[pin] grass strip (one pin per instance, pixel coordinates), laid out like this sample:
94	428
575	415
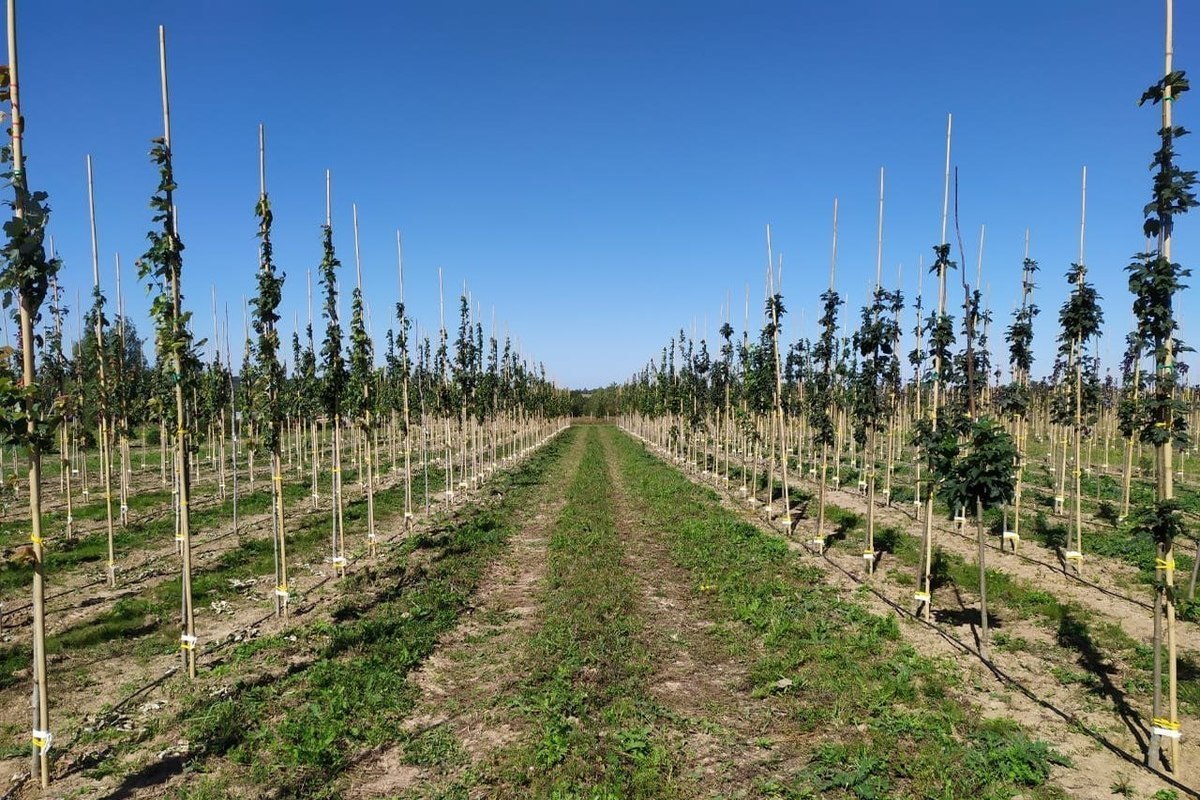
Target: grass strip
596	727
881	720
346	688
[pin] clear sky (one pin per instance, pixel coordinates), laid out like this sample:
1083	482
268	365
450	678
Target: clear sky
601	172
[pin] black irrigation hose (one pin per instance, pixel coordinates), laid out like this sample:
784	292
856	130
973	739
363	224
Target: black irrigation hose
1058	568
1029	559
1014	683
214	649
999	674
249	523
203	505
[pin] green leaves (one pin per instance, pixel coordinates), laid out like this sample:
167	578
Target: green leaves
1176	81
266	408
1013	400
876	341
987	473
1080	317
1162	521
361	359
25	273
161	267
1154	281
333	378
1173	187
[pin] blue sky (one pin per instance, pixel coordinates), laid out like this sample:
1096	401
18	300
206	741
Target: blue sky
600	173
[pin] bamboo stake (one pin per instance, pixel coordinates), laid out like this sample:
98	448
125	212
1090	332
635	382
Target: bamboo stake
366	421
182	462
869	466
408	506
925	592
123	440
819	541
1164	604
105	452
282	590
1076	556
41	736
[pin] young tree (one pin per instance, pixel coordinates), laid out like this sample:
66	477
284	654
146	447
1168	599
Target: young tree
268	407
1014	400
983	476
26	419
161	267
1079	320
821	399
874	393
333	377
53	378
97	321
362	380
1154	280
403	367
935	446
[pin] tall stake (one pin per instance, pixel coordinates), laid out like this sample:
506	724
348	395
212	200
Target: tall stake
28	306
828	347
182	460
1155	279
1075	554
102	394
266	320
360	361
869	465
925	588
403	324
123	425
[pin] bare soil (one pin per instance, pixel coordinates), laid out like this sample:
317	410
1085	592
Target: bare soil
467	685
1020	684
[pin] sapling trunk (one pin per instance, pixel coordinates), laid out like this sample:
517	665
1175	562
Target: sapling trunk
266	319
1078	431
404	366
924	594
123	439
1155	280
1127	467
102	392
360	360
828	346
28	306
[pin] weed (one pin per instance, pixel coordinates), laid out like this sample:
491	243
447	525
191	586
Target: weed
886	720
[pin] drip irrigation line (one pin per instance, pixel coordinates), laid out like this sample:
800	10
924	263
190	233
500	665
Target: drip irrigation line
1012	682
214	649
956	642
1028	559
